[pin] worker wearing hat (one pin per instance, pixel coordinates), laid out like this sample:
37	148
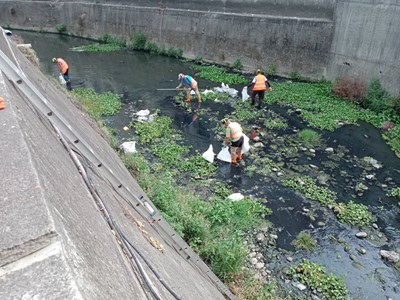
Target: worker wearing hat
259	84
63	66
234	134
188	84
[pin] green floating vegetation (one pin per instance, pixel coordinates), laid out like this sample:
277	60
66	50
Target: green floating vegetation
99	48
219	74
98	104
354	214
315	276
311	190
149	132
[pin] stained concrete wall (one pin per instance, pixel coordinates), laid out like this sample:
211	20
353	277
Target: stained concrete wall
318	38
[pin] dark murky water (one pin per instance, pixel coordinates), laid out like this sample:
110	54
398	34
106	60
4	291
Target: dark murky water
137	76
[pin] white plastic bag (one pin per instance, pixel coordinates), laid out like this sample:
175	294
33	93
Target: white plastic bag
224	154
236	197
209	154
143	113
62	80
128	147
245	95
246	144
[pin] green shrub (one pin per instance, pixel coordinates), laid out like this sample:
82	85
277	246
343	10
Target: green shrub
237	64
138	41
174	52
271	70
295	75
309	137
226	256
61	27
395	192
376	99
136	164
152	48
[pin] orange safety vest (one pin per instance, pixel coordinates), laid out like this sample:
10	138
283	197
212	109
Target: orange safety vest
260	83
236	130
62	65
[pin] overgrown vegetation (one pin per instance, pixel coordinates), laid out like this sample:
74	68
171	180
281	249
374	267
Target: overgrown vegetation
316	277
309	138
98	104
271	70
354	214
61	28
237	64
350	88
305	241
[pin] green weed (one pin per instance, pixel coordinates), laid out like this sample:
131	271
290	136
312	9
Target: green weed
309	138
237	64
219	74
354	214
149	132
61	28
98	104
138	41
316	277
305	241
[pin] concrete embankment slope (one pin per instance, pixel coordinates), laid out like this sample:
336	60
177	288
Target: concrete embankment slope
55	242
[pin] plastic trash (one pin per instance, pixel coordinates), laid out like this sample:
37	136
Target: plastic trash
62	80
245	95
128	147
143	113
246	144
209	154
236	197
224	155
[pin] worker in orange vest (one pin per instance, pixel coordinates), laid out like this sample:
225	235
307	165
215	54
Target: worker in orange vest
259	84
234	134
63	66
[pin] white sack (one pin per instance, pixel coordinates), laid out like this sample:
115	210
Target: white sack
143	113
128	147
209	154
245	95
236	197
224	154
62	80
246	144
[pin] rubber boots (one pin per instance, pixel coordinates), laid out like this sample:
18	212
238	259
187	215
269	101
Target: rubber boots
239	156
233	155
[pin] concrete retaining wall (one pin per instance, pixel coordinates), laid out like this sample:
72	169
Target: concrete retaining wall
318	38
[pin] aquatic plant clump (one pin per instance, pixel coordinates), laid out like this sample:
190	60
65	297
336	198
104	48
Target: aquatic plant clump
219	74
149	132
98	104
310	189
305	241
354	214
316	277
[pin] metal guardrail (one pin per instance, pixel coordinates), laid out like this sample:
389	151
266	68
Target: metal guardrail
141	204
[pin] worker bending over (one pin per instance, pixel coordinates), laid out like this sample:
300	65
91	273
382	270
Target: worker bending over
188	84
64	68
234	134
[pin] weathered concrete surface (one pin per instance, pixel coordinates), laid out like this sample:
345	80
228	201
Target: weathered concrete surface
317	38
54	241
